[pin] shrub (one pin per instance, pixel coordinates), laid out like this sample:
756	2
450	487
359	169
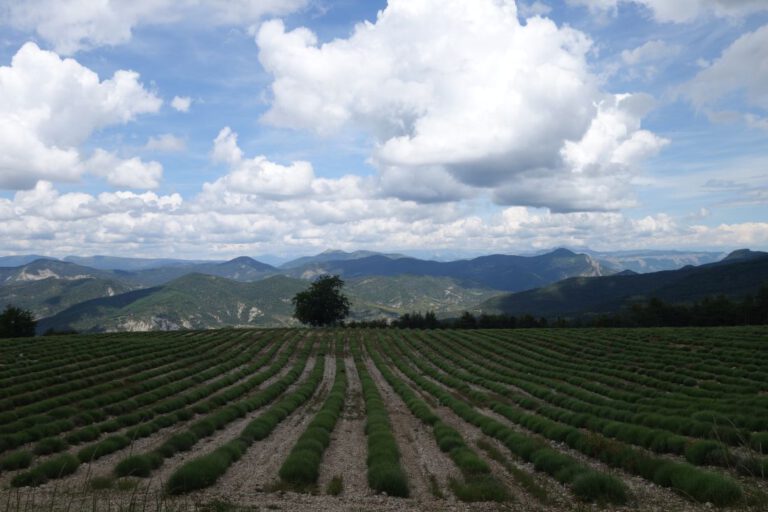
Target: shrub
199	473
388	477
83	435
759	442
593	486
105	447
100	483
706	452
486	488
301	467
335	486
56	467
16	460
468	462
50	445
135	465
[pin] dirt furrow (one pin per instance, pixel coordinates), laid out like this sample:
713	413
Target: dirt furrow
231	431
103	466
257	469
427	467
345	456
646	495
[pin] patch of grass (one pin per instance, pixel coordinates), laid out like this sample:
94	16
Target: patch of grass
126	484
100	483
434	487
335	486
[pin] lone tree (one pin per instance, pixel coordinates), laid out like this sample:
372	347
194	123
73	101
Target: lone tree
323	303
17	323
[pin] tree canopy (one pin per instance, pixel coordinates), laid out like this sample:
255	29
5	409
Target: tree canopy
17	323
323	303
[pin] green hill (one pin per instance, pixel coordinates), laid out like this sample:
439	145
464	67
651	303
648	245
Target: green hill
45	297
195	301
734	277
377	296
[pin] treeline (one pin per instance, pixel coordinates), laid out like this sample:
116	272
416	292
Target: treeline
467	320
711	311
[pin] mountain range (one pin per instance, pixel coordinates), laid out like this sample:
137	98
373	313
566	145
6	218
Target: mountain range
741	273
112	293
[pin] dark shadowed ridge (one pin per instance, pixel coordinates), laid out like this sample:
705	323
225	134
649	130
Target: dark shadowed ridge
733	277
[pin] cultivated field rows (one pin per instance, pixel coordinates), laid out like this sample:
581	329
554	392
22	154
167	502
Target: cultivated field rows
544	419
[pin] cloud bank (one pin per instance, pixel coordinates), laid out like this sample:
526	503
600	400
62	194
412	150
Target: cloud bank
466	95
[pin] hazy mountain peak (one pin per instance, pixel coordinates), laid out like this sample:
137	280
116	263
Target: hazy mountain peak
561	252
241	260
744	254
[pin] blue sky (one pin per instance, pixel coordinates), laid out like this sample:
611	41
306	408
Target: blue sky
206	129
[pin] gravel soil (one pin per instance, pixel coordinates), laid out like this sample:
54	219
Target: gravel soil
420	455
104	465
345	456
645	495
257	469
222	436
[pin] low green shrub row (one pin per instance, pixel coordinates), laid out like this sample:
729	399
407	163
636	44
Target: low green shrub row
115	443
583	396
56	467
19	459
110	400
50	445
302	466
699	485
479	484
564	468
204	471
385	472
141	465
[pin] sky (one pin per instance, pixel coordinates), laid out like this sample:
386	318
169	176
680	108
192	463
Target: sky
220	128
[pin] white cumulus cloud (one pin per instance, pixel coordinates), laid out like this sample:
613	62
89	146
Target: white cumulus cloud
166	142
125	173
181	103
455	89
49	106
258	175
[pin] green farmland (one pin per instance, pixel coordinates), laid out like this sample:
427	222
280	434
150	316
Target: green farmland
386	419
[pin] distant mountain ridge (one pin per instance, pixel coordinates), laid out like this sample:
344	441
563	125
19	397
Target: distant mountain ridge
739	274
500	272
334	255
130	264
646	261
40	269
379	285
